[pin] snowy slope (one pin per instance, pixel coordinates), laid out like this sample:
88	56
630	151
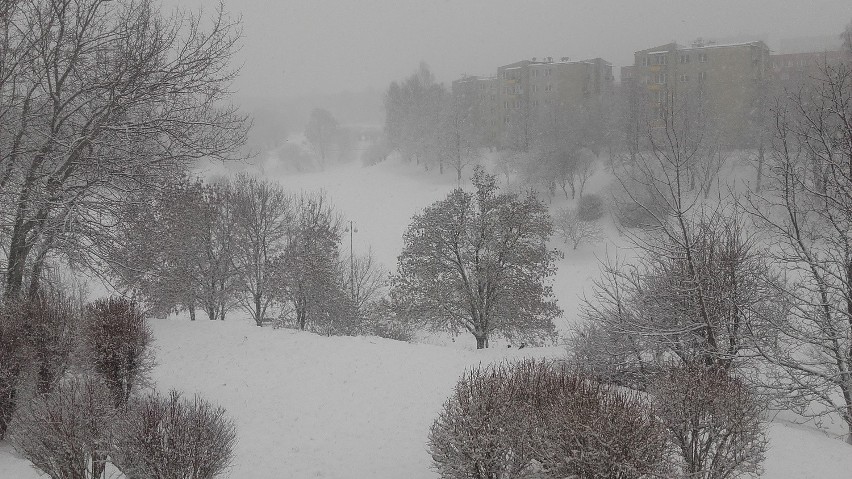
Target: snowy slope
310	406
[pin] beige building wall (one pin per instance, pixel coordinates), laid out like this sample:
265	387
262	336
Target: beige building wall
724	83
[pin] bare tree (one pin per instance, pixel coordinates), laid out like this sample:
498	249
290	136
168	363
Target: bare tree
699	290
322	130
478	262
366	279
264	217
574	230
99	100
309	266
806	211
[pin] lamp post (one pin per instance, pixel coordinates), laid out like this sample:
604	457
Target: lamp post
351	230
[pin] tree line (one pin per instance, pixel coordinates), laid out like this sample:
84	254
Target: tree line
243	243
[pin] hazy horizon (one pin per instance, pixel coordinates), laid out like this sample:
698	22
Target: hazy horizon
296	48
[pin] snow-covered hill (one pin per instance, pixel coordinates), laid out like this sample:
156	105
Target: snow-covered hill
308	406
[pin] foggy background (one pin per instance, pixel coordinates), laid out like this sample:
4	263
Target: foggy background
341	55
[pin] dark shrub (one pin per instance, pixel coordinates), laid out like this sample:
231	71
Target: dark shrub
532	417
171	438
713	422
52	323
116	341
67	434
11	360
590	207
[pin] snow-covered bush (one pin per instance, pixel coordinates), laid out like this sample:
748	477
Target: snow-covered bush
116	343
713	422
590	207
172	437
67	434
573	230
52	322
536	419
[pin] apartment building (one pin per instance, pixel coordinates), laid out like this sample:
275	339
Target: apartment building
476	97
723	83
529	91
790	70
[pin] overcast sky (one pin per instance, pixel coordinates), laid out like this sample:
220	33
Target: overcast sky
302	47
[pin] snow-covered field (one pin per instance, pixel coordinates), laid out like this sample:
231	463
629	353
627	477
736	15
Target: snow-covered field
308	406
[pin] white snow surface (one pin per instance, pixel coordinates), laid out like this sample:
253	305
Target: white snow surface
308	406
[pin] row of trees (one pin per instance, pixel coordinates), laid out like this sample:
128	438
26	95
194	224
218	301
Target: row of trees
242	243
427	124
758	286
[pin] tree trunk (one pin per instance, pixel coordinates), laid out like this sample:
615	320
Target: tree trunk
191	309
8	396
16	262
481	341
258	314
760	160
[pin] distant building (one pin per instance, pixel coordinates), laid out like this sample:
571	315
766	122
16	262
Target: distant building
477	97
790	70
724	83
528	90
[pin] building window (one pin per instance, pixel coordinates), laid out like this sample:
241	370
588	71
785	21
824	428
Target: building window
535	88
506	104
684	58
684	77
645	61
661	78
549	87
661	59
548	72
702	57
661	97
702	76
505	120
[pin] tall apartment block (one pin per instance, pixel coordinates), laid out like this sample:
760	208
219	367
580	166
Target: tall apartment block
725	83
477	98
509	106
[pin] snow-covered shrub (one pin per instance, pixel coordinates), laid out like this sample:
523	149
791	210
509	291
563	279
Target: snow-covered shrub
52	322
637	204
116	343
67	434
713	422
172	437
573	230
590	207
536	419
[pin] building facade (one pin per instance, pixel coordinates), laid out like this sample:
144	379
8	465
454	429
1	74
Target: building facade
721	84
